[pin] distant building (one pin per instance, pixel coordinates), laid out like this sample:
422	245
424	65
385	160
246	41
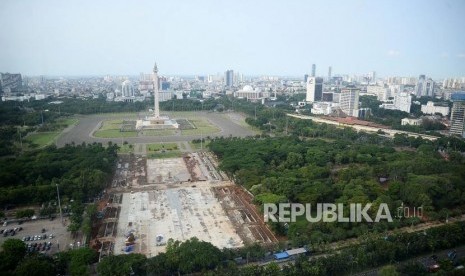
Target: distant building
314	89
313	70
424	87
457	117
165	95
146	82
165	85
322	108
419	86
381	92
247	92
305	78
10	82
372	77
127	90
229	78
327	96
431	108
329	74
349	101
410	121
403	102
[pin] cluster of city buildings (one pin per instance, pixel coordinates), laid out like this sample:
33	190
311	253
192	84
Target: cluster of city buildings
335	95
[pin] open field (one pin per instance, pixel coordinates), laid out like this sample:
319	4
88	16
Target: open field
164	155
158	132
198	146
125	148
177	214
88	125
114	133
42	139
160	146
111	129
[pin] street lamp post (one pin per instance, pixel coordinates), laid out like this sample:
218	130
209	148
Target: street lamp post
59	204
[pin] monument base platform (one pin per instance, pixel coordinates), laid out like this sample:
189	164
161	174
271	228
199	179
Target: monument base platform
160	122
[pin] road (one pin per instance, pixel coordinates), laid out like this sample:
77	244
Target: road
425	260
82	132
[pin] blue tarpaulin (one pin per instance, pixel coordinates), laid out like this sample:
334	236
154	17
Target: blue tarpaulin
280	256
129	248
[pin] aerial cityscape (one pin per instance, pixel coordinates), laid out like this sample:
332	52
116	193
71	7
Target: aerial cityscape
240	138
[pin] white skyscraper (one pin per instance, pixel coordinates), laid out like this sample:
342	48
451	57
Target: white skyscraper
314	89
127	90
403	101
348	101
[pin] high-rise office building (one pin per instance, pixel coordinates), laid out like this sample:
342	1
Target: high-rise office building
403	101
457	117
305	78
348	101
372	77
313	70
329	74
314	89
229	78
429	88
127	90
424	87
419	86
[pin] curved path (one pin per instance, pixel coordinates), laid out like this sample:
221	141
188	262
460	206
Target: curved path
82	132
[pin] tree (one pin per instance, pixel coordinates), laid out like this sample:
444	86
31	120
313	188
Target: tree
122	265
81	259
35	266
13	252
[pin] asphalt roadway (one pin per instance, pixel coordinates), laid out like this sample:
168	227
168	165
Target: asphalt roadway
82	132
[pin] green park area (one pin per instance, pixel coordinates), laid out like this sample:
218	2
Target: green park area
43	138
163	150
126	148
111	129
196	145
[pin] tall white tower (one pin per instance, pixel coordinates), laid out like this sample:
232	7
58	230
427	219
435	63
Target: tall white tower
156	111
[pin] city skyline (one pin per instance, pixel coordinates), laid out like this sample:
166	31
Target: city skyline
393	38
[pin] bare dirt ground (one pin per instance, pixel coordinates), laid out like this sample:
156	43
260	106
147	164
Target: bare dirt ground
154	200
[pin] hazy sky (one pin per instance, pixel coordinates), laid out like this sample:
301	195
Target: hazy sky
391	37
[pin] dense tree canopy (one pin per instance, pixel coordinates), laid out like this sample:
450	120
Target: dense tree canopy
343	166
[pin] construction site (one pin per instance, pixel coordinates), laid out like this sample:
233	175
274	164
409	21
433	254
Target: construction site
154	200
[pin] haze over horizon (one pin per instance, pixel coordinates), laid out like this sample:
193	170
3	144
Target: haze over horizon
393	38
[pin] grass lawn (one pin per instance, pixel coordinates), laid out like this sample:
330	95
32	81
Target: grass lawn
166	154
68	121
125	148
158	132
196	146
42	139
111	129
159	146
114	133
163	150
